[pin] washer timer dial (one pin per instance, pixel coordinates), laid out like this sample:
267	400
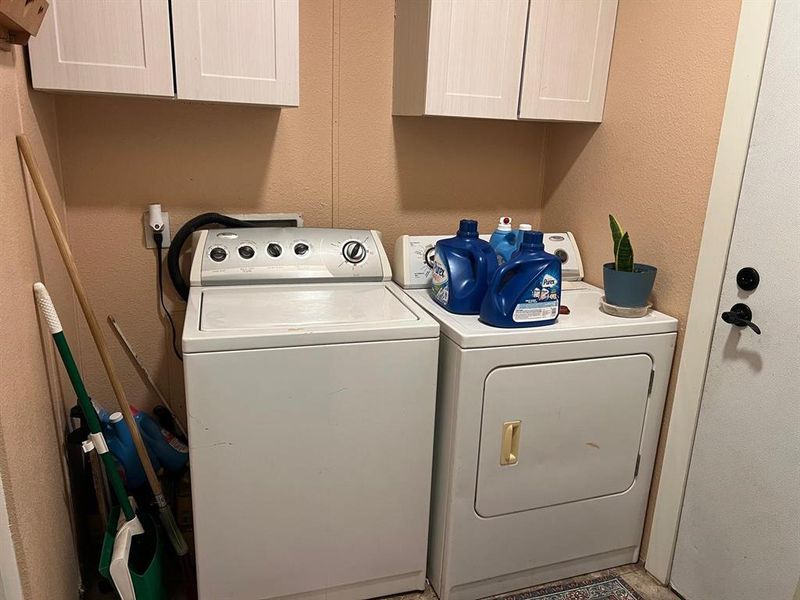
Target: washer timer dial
354	252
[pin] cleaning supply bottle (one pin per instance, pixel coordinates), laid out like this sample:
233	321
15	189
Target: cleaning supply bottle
120	443
526	291
523	227
504	240
171	452
462	268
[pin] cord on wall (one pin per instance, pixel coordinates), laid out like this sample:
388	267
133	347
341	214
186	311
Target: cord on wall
157	225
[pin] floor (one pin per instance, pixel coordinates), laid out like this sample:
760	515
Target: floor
634	575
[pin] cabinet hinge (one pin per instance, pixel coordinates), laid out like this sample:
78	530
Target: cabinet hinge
650	385
638	460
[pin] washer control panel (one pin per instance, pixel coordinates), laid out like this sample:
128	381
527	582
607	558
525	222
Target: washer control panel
413	257
288	254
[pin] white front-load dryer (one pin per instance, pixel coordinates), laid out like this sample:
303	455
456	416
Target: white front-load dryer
545	437
310	388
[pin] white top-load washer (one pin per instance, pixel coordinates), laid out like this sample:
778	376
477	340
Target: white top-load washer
545	437
310	393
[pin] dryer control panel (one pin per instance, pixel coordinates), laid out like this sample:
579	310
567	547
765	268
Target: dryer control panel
255	255
413	257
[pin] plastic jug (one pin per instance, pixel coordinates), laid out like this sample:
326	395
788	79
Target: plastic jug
171	452
504	240
120	443
526	291
523	227
462	268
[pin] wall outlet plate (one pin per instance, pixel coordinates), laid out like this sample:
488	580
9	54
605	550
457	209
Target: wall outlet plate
149	242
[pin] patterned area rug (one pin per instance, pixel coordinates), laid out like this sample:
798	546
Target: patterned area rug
605	588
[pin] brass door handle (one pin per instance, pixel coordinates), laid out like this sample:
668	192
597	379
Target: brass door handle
509	446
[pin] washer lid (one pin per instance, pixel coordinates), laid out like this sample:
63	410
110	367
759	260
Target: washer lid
268	316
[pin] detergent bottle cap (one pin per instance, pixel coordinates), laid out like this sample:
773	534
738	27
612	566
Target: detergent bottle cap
115	417
532	241
504	224
525	227
468	228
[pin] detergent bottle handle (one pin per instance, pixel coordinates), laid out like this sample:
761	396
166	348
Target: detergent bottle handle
499	276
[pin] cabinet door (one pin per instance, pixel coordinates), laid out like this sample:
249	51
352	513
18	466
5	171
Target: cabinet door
566	59
120	47
237	50
475	57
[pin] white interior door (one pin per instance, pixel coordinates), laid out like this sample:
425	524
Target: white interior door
739	535
120	47
475	58
237	51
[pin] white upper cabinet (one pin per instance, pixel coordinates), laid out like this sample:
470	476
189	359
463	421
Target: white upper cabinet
473	60
237	51
503	59
243	51
566	59
100	46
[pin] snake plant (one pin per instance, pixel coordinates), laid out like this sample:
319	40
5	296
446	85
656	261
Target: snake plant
623	251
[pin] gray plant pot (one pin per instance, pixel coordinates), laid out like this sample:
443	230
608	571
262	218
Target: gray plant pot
629	289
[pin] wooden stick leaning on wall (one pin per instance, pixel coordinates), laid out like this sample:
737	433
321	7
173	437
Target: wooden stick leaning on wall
165	514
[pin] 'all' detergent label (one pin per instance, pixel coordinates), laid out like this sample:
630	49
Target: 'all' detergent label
541	301
440	281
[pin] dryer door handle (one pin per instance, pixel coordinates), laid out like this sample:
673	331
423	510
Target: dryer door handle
509	447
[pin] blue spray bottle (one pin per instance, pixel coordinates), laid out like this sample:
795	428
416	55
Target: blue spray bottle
504	240
526	291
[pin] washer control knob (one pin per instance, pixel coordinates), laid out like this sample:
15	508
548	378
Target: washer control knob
562	255
301	249
218	254
247	252
354	252
274	250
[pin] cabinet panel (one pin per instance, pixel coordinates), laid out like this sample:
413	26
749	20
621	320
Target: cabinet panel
567	56
99	46
475	57
237	50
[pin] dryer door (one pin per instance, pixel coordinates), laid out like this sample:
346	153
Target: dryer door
560	432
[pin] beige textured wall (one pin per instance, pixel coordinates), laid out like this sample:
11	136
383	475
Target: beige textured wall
650	162
30	399
340	159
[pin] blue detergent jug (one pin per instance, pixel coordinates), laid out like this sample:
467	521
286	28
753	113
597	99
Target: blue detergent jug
504	240
120	443
462	268
171	452
526	291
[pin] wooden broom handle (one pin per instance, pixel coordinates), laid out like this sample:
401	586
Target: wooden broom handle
72	268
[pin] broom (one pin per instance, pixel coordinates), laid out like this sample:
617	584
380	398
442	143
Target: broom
133	526
164	511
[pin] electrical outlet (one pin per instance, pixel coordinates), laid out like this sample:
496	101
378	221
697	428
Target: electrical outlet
149	242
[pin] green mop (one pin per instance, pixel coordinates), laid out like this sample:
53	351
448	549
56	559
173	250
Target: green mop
141	581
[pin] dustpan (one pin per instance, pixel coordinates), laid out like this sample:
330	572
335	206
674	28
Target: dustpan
132	558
